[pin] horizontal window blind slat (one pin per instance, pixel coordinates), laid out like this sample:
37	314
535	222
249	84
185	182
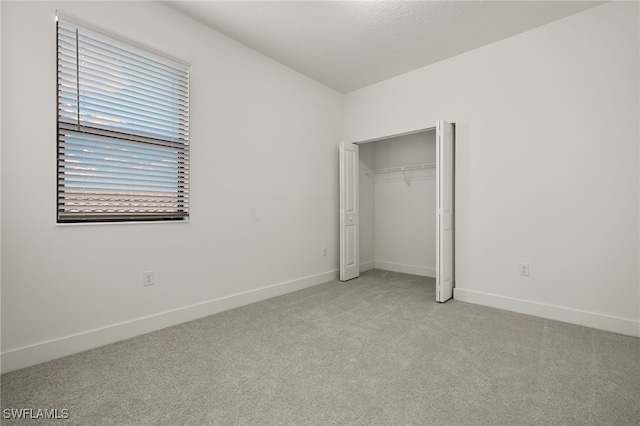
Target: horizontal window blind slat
118	160
67	62
108	186
99	89
67	43
179	118
125	119
124	207
124	204
119	195
79	206
94	87
89	84
83	170
116	196
90	117
98	61
68	84
67	54
110	103
81	131
121	158
101	59
122	163
120	217
82	212
149	61
118	166
84	181
121	80
136	62
181	115
80	170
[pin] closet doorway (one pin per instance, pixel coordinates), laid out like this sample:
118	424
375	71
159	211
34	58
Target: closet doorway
407	180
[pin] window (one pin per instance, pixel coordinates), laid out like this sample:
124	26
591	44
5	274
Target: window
123	131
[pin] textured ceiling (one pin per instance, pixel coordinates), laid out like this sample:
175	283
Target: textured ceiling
348	45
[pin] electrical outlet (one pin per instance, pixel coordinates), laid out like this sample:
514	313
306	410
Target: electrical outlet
148	278
524	269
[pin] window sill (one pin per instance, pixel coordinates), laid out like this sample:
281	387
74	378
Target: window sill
141	222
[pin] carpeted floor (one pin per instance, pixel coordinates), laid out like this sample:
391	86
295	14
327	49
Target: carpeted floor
375	350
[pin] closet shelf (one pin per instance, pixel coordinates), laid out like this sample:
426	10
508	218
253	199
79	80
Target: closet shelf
405	181
401	169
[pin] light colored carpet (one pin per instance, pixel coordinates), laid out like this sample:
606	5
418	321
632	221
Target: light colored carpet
375	350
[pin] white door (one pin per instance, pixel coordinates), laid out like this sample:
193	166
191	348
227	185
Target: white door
444	206
349	212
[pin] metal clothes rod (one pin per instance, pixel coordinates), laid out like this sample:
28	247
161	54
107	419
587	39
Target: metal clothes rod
402	180
401	169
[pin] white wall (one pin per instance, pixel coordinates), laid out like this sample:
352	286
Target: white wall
264	190
547	142
405	239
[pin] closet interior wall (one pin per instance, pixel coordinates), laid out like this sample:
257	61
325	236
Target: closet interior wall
398	209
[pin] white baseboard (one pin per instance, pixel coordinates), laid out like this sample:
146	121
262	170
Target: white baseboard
57	348
367	266
559	313
406	269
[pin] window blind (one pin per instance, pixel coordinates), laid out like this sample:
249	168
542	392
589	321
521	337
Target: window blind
123	130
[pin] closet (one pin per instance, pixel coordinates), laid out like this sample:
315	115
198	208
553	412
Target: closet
396	206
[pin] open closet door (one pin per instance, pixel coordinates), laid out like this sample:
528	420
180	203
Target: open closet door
444	207
349	212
